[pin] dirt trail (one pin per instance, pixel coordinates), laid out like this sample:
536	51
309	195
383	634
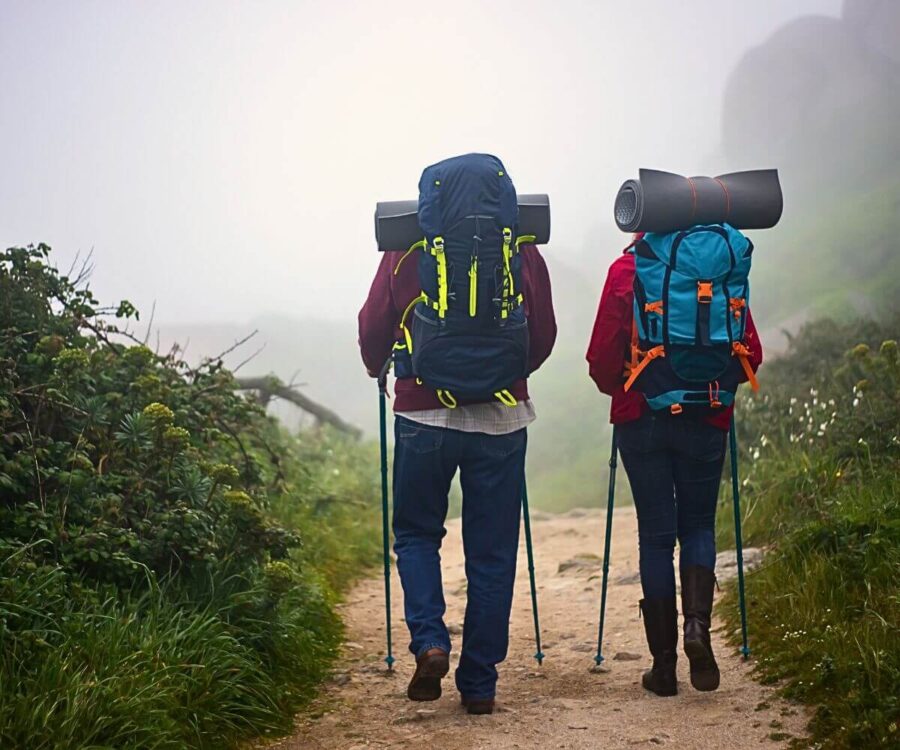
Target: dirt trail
562	704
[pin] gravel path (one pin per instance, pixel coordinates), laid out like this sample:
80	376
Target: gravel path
562	704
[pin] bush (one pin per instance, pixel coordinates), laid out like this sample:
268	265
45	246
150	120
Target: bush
165	577
822	451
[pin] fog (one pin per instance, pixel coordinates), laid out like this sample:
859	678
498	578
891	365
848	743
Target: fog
222	159
221	162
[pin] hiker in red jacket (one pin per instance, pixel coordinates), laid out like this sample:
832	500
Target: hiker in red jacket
434	436
674	465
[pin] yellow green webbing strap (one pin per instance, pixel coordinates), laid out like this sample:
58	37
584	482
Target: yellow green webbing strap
437	250
446	398
506	398
473	288
508	286
414	246
525	238
406	334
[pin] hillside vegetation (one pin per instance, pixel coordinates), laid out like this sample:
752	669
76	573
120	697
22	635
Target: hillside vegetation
820	460
169	557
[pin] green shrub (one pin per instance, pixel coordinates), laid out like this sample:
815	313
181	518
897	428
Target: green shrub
821	456
169	556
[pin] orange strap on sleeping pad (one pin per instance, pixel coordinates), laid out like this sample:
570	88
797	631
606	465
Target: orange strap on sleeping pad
649	356
742	352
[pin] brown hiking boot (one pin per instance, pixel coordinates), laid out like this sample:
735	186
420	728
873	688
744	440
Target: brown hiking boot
431	667
478	706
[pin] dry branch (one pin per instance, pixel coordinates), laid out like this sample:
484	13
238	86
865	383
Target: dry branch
269	387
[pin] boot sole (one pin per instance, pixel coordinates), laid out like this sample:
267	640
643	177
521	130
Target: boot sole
666	691
704	670
478	707
426	683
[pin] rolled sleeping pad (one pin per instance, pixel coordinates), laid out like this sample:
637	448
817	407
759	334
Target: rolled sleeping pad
665	202
397	223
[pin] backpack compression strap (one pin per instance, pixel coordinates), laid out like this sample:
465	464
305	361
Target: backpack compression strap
511	299
649	356
742	352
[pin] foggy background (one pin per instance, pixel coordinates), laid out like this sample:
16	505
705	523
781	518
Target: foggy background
222	159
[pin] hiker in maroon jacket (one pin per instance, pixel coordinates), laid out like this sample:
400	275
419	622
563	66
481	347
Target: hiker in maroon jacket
486	442
674	465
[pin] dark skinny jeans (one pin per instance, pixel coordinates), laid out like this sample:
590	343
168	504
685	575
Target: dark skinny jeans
674	465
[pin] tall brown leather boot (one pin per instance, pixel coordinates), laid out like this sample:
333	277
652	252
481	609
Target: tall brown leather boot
697	585
661	627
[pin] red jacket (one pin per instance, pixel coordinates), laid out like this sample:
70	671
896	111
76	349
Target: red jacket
379	322
611	343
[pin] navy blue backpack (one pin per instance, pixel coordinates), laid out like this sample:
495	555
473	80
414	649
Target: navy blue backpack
691	297
466	335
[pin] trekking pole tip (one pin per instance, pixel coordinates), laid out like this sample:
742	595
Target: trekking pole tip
599	659
745	650
389	660
540	658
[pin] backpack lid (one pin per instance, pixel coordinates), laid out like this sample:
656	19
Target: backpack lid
694	245
468	185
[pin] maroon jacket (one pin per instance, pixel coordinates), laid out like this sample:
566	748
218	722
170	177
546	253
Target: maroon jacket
611	342
379	322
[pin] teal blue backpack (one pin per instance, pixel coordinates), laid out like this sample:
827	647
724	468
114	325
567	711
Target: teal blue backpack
691	297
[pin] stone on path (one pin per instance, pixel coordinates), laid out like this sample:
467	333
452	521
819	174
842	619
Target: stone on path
726	562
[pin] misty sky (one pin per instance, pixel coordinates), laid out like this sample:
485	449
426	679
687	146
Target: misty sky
224	158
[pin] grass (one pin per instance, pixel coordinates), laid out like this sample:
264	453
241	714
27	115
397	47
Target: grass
200	664
821	457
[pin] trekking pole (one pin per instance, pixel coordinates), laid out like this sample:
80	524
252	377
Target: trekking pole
534	604
385	528
609	514
739	545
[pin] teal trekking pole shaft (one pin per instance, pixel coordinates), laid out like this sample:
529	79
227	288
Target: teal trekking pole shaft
385	526
739	545
609	515
539	655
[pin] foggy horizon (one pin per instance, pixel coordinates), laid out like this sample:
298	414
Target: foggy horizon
224	160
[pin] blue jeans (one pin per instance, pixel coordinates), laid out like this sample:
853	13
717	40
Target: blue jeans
492	468
674	465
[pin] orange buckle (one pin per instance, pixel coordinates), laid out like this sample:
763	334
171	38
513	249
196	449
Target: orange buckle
704	292
654	307
676	409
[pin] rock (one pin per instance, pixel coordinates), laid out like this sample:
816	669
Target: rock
341	678
454	628
580	563
726	562
628	579
584	648
627	656
577	726
601	669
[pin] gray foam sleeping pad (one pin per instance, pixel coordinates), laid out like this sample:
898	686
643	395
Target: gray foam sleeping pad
665	202
397	225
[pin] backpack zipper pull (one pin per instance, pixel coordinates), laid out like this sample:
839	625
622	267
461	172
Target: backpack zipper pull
473	286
